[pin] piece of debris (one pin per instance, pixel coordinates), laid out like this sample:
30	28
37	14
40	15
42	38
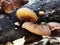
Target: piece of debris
17	24
15	28
19	41
8	43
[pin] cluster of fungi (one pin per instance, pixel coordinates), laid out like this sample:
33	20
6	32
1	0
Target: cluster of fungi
30	18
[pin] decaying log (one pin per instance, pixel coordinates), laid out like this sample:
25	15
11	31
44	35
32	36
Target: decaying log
51	9
11	32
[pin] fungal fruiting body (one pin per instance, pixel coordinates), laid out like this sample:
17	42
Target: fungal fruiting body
54	26
7	8
37	29
10	5
41	13
26	14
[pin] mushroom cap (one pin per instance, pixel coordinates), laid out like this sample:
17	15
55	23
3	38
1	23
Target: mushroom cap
26	14
54	25
37	29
